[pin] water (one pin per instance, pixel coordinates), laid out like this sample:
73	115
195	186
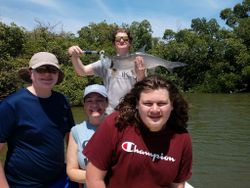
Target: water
78	113
219	126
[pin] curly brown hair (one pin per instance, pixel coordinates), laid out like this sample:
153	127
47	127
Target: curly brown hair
128	113
122	30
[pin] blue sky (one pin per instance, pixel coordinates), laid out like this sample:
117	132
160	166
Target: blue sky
71	15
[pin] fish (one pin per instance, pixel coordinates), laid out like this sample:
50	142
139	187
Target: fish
150	61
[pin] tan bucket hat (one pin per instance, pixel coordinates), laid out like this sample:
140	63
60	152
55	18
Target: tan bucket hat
37	60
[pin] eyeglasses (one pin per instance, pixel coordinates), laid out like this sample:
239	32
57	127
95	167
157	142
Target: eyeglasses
118	38
47	69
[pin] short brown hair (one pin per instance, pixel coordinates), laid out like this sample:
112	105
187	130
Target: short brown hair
122	30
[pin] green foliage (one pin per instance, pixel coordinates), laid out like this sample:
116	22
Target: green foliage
246	78
12	40
9	81
238	18
142	35
205	28
223	83
72	86
243	31
168	35
218	59
97	37
235	14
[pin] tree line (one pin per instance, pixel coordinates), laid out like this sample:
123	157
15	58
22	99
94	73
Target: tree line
217	58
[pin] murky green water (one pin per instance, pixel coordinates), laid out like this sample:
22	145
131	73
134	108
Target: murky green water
220	129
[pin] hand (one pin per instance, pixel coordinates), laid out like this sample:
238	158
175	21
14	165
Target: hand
75	51
139	68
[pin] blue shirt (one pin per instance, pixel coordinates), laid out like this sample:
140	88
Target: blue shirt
34	129
82	133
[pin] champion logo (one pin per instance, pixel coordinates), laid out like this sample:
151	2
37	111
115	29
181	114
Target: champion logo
132	148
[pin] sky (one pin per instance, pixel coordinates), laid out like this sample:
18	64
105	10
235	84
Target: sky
72	15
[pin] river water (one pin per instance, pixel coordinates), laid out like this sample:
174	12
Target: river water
220	129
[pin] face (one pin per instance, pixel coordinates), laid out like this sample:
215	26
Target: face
122	43
95	106
45	76
154	108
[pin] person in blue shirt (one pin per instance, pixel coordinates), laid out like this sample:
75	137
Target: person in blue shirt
95	102
34	123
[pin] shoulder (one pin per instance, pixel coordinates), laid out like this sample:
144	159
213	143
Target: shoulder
111	118
58	94
96	64
59	97
113	115
100	68
80	130
79	126
107	126
20	96
17	94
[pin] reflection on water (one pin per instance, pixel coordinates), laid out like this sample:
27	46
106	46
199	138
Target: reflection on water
219	126
220	129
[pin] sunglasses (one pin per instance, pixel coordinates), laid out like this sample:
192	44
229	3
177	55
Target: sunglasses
47	69
118	38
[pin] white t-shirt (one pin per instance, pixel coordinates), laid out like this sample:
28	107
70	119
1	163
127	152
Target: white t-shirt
117	83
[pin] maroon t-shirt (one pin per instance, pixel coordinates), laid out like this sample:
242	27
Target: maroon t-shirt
134	157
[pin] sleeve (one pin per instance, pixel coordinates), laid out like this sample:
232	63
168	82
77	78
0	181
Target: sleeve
101	146
99	68
185	170
7	121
